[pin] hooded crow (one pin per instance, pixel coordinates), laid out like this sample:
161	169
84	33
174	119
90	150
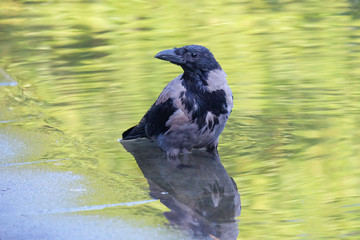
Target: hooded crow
192	110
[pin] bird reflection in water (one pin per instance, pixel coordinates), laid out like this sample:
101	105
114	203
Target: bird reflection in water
201	196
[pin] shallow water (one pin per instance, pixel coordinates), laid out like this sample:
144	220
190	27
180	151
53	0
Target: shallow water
75	74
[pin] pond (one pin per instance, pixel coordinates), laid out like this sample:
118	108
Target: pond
75	74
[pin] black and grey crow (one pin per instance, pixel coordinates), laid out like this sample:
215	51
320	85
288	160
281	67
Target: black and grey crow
192	110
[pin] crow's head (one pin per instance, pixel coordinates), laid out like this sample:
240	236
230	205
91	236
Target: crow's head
192	58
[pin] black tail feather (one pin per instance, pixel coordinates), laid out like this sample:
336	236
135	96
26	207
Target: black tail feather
137	131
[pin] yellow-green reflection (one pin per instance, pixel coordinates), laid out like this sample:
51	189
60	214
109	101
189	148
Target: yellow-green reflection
86	72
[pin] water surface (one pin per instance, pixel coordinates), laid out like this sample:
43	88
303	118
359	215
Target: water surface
75	74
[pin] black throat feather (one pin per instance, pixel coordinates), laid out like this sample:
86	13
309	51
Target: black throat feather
198	100
195	81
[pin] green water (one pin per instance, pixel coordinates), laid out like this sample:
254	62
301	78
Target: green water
85	72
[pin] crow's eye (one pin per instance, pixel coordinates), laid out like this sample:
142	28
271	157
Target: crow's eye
194	54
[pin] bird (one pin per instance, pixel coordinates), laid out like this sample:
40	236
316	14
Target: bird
192	110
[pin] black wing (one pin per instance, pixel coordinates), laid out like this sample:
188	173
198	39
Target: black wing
154	121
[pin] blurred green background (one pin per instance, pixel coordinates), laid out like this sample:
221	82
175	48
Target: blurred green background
86	72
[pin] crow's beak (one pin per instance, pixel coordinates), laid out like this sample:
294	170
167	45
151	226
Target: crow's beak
171	56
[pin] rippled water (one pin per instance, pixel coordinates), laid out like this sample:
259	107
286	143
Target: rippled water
75	74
